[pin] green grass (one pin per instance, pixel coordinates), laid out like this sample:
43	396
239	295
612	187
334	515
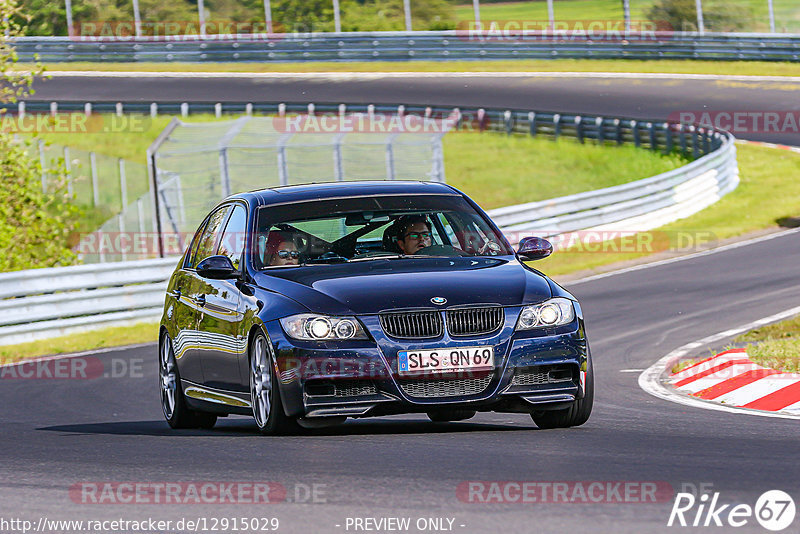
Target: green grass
503	171
741	68
106	337
776	346
768	195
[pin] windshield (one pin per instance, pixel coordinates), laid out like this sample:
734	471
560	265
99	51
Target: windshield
368	228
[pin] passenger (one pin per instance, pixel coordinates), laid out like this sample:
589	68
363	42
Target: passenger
280	249
413	233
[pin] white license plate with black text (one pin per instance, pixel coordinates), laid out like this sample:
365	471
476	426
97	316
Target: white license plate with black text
445	360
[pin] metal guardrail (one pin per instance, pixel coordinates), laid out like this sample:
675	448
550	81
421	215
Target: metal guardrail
45	303
636	206
423	45
49	302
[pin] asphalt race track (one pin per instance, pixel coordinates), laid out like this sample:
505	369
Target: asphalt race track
647	98
59	433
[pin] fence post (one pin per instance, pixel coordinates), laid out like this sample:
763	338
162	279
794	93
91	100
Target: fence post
140	213
225	178
682	139
579	128
283	168
556	126
618	131
218	110
153	110
695	143
532	123
95	187
771	10
184	109
390	171
121	223
653	139
700	24
338	170
507	122
123	185
407	13
668	135
601	133
337	19
637	137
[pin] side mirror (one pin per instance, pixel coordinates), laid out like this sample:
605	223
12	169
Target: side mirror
217	268
534	248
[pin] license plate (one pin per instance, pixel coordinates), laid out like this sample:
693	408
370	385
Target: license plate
445	360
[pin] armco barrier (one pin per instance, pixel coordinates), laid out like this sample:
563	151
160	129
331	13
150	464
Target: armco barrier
423	45
44	303
636	206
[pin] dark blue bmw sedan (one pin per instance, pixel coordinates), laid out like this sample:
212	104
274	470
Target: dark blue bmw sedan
305	305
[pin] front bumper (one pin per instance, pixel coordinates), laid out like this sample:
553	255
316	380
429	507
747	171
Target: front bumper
534	370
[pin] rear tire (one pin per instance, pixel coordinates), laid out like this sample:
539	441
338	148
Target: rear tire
173	403
451	415
265	395
575	415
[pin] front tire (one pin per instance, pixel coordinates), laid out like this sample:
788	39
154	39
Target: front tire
173	403
265	396
575	415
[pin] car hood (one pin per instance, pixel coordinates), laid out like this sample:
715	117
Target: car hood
374	286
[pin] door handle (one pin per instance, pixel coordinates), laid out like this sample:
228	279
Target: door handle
176	293
201	300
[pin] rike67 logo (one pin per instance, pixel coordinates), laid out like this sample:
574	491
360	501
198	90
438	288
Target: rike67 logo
774	510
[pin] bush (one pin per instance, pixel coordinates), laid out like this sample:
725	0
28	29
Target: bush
718	16
35	226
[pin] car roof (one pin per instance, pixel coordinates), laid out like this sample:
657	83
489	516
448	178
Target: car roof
329	190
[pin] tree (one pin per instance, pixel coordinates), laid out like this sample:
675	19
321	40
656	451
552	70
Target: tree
35	226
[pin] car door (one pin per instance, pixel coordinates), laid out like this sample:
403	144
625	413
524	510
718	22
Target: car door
184	313
193	342
220	318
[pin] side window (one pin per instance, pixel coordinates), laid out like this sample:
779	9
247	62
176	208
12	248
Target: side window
205	247
232	242
198	236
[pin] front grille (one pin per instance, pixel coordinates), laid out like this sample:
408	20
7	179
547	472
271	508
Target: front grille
412	325
531	376
474	321
426	388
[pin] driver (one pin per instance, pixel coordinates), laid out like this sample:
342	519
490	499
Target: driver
413	233
280	249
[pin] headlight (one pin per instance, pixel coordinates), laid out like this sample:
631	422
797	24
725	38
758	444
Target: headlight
312	327
553	312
